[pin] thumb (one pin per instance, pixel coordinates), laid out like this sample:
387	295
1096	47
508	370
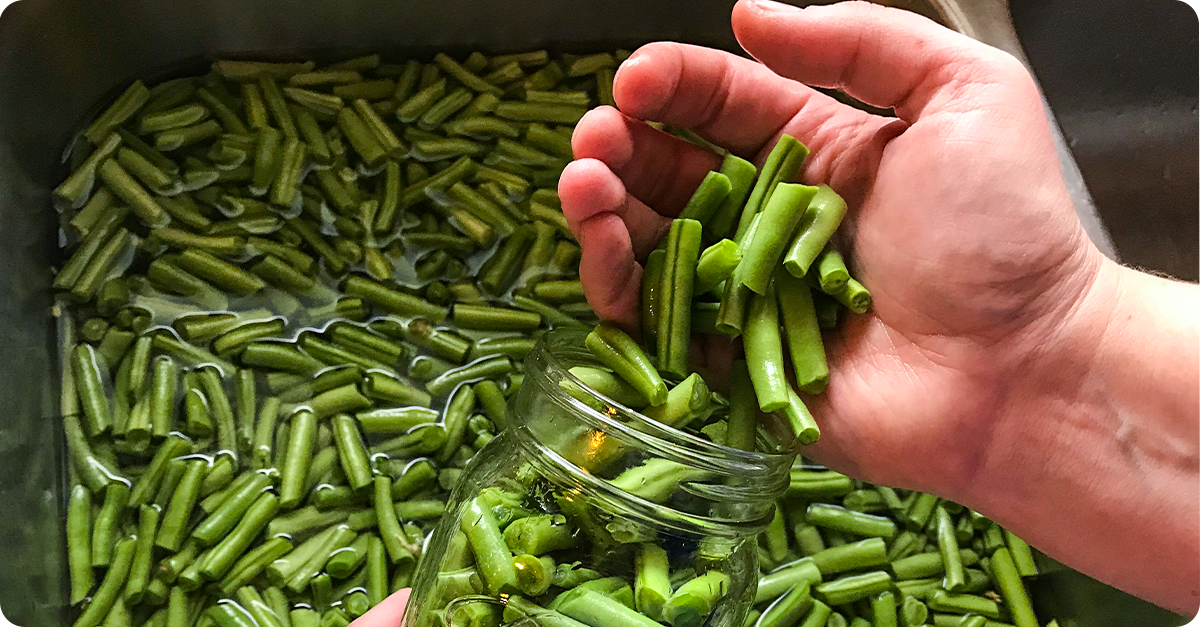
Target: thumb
882	56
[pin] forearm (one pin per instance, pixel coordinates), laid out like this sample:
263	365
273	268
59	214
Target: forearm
1096	460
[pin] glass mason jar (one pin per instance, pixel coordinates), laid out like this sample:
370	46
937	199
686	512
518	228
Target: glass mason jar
585	512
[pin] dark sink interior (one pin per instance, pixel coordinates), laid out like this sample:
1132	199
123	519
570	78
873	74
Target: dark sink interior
1121	78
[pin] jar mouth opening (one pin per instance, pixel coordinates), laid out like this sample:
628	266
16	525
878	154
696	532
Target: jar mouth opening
632	507
562	344
630	424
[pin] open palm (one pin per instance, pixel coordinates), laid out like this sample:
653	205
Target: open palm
960	224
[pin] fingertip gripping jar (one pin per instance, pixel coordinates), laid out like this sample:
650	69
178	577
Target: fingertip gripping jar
585	512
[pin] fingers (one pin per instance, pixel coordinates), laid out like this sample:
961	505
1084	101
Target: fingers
744	106
882	56
611	278
588	188
388	613
659	169
731	101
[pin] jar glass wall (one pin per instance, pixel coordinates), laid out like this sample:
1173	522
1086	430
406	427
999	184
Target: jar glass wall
585	511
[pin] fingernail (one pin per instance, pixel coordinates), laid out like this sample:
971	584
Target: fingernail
770	6
633	60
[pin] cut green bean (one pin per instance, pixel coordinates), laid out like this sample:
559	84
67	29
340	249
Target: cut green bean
392	300
252	563
231	511
954	580
397	543
657	479
686	402
549	113
769	176
678	277
163	386
351	452
848	521
302	436
852	556
172	530
388	388
1022	555
1012	589
417	475
764	353
86	369
75	190
652	582
123	108
741	432
715	265
803	332
494	318
93	242
139	569
831	271
220	559
825	213
789	609
783	579
620	353
147	485
113	584
735	299
965	604
79	543
455	417
853	588
493	556
487	368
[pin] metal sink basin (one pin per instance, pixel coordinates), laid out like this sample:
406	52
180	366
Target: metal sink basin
58	58
1121	78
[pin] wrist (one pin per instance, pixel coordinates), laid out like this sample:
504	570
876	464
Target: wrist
1095	445
1047	400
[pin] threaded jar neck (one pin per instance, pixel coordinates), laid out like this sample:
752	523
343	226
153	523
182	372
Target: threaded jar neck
641	467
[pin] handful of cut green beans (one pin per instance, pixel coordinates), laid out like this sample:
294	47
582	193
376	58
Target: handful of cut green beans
296	300
769	264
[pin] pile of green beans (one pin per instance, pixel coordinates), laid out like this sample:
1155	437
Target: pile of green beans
296	299
844	552
751	254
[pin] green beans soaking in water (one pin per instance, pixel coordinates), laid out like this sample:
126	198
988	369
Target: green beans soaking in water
257	301
295	300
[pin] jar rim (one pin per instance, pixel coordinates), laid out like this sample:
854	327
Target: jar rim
747	482
571	340
632	506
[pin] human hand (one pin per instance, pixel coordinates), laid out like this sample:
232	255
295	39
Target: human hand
960	223
387	614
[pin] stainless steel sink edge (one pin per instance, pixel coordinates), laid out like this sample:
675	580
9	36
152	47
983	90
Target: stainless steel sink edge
990	22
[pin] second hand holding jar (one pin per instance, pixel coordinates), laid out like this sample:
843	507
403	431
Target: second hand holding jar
585	512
